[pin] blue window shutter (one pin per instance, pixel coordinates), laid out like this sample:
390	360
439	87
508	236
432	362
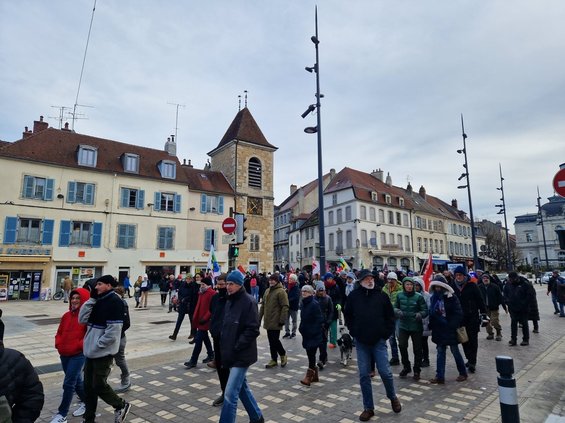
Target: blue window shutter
27	191
174	171
65	233
220	204
96	234
124	197
10	228
207	239
140	199
157	202
215	237
72	193
47	235
202	203
89	193
49	190
177	203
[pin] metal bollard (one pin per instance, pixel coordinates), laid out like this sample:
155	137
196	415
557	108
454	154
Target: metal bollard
507	392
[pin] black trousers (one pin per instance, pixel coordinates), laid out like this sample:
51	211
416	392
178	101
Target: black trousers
403	336
521	318
275	344
223	373
311	353
96	372
470	348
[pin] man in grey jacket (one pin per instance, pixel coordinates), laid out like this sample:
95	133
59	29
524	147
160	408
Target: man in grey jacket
103	314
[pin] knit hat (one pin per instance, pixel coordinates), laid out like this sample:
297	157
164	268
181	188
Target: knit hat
307	288
407	279
351	275
320	286
460	269
206	281
235	277
363	274
108	279
392	275
328	275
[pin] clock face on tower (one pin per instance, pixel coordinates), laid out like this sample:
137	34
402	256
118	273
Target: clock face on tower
255	206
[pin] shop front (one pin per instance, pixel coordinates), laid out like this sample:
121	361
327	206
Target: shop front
23	272
78	274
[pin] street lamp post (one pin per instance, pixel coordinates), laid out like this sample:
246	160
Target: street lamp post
318	130
542	232
509	265
468	186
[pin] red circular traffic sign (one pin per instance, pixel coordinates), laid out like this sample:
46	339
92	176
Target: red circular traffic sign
559	182
228	225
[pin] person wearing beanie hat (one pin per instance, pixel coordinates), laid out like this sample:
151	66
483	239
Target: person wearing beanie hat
326	306
392	289
410	309
370	319
274	312
293	294
21	398
445	317
217	307
473	306
492	296
320	286
201	320
104	316
334	292
238	346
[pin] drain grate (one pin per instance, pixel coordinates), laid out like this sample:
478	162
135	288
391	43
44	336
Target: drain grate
45	322
31	316
162	322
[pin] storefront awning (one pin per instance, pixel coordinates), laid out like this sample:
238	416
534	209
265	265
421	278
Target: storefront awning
25	259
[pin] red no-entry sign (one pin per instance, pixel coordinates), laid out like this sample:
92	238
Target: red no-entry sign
559	182
228	225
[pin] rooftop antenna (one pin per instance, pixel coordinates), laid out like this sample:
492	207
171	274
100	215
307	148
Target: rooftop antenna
74	113
177	117
61	116
245	93
239	101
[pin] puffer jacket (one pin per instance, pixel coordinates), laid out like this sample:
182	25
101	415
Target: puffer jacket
408	306
444	327
311	322
240	329
202	313
20	386
274	309
369	315
70	333
426	295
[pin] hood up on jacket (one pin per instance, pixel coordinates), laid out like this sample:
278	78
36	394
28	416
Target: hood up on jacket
445	286
83	293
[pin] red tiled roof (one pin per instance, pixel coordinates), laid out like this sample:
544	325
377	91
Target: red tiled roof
59	147
207	181
244	128
292	200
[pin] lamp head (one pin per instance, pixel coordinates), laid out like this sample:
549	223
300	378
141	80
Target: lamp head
312	68
462	186
311	129
461	151
315	39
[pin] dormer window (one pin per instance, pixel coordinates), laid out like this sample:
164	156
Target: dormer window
388	199
374	196
168	169
130	162
87	155
401	201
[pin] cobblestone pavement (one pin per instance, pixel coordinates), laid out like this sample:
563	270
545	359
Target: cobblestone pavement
163	390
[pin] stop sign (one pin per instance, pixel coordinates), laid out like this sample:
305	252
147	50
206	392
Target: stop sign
228	225
559	182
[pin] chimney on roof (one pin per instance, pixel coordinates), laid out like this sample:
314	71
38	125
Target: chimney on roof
454	204
26	133
422	192
379	174
293	189
170	146
388	179
332	173
39	125
66	128
409	188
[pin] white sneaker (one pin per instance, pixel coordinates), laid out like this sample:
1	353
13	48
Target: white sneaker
59	419
80	410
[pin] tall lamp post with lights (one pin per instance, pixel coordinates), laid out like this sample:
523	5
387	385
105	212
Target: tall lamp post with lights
502	210
318	130
468	186
540	216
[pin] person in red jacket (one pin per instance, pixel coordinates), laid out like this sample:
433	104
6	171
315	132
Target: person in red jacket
68	342
201	321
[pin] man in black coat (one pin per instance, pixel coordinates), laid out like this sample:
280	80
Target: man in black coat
238	348
492	296
518	297
370	318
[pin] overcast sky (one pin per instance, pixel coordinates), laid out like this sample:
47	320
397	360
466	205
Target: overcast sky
396	76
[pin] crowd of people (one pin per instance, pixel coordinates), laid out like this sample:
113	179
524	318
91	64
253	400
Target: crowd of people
378	311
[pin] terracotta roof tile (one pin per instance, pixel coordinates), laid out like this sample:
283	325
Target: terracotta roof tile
207	181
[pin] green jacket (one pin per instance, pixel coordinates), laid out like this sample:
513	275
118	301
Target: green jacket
406	308
274	308
392	295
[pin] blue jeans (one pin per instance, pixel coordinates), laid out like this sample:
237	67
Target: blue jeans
392	342
379	353
201	337
255	292
440	363
237	388
72	366
555	303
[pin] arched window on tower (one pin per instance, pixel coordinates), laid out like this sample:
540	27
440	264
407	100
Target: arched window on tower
254	173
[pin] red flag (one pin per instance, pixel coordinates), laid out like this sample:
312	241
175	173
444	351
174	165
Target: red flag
428	272
241	269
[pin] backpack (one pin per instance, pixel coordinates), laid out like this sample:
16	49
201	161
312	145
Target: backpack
253	282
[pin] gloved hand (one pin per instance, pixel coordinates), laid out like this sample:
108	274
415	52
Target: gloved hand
399	314
418	317
338	307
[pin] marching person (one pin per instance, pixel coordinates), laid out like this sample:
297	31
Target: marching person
492	296
370	318
217	308
238	345
104	314
120	357
311	327
326	306
144	285
293	292
274	311
419	287
68	341
184	294
392	288
518	297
